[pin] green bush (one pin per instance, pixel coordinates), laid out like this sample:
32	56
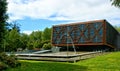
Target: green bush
47	46
8	61
3	66
3	56
12	62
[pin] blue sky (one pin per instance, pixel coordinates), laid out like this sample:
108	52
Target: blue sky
35	15
36	24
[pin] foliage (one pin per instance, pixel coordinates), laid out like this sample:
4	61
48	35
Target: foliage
47	46
117	28
24	38
38	38
35	40
8	61
3	18
14	25
108	62
116	3
30	45
3	66
12	40
46	34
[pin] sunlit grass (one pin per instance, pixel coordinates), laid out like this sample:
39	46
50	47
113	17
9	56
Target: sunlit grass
108	62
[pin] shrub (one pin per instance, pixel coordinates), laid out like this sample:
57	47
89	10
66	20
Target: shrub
12	62
8	61
3	56
47	46
3	66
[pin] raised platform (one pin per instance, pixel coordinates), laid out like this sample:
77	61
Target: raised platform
60	56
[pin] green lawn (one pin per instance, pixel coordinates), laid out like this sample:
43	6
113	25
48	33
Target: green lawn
108	62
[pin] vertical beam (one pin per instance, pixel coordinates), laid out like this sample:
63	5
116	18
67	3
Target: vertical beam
89	33
104	32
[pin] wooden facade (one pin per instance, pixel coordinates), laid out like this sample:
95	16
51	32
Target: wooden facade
98	32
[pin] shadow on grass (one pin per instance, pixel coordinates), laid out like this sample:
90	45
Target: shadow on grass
49	66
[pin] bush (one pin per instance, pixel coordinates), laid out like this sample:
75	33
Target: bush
47	46
12	61
8	61
3	66
3	56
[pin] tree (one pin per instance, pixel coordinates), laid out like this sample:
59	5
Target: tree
117	28
24	38
3	18
15	25
116	3
13	40
46	34
35	40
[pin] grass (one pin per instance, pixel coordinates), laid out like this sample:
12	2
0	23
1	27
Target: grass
108	62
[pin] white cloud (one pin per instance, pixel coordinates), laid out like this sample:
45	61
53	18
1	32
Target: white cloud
27	32
77	10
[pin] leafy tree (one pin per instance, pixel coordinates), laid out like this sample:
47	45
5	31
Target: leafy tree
6	40
116	3
24	38
12	35
3	18
46	34
13	40
30	45
35	40
38	36
14	25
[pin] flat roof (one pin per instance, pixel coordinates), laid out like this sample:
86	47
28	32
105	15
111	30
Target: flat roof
80	23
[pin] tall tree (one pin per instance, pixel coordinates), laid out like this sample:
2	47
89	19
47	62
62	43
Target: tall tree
15	25
24	40
3	18
116	3
13	40
35	40
47	34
